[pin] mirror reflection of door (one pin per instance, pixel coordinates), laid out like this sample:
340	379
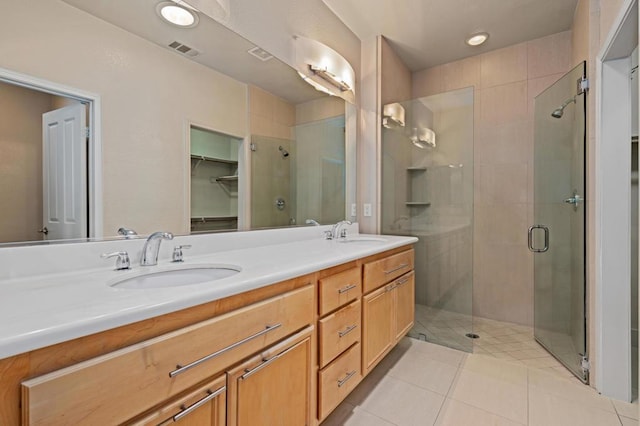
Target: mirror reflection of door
64	173
22	162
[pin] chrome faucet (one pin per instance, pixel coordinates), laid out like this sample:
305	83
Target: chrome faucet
335	234
152	246
127	233
311	222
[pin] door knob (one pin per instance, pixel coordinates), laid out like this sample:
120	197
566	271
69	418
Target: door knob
44	231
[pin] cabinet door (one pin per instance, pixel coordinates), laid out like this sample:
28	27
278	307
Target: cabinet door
405	304
205	406
378	327
273	388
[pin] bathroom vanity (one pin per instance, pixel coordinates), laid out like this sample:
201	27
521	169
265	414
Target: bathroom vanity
282	342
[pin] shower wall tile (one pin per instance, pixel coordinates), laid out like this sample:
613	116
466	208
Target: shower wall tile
504	104
506	143
504	66
261	102
538	85
549	55
501	184
396	77
427	82
460	74
505	293
501	223
284	113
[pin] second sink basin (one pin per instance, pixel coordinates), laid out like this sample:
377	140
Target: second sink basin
177	277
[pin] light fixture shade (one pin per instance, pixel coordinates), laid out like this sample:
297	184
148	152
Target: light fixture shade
393	115
477	39
423	137
216	9
177	14
321	66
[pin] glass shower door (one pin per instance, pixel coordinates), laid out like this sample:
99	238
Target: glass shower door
557	236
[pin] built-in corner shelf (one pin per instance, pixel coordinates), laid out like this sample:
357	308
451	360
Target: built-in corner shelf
205	219
417	204
416	169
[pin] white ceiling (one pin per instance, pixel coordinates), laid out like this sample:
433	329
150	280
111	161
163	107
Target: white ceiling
426	33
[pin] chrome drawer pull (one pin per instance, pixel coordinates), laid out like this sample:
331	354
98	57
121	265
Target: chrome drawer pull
402	266
347	330
346	379
182	368
347	288
265	362
187	410
389	288
402	281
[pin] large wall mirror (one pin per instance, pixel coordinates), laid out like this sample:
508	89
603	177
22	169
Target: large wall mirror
190	130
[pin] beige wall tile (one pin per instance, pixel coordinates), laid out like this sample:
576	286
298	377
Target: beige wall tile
284	112
503	104
580	33
463	73
427	82
549	55
261	125
504	273
609	10
505	143
503	66
501	224
501	184
538	85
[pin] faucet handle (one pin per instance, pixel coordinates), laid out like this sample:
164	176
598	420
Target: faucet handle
328	235
122	262
177	252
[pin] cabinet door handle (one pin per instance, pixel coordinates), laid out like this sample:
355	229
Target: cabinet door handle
182	368
347	330
347	288
188	410
389	288
264	363
402	266
346	379
402	281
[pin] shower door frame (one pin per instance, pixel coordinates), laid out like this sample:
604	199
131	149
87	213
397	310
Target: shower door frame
580	97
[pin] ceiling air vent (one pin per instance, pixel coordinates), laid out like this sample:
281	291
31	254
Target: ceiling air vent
184	49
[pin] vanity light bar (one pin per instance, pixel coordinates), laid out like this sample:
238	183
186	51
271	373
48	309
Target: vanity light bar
329	77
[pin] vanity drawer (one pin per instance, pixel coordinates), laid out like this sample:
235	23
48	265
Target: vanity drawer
382	271
338	331
117	386
338	290
337	380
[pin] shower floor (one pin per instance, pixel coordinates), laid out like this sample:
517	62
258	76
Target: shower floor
503	340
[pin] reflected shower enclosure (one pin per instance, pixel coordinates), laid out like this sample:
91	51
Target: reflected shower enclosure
427	192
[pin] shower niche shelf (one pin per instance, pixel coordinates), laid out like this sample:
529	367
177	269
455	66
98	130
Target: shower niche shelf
417	204
417	169
225	179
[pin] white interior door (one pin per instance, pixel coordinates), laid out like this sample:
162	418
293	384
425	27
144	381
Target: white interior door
64	162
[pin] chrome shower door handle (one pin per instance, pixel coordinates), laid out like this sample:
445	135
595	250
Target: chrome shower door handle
574	200
546	239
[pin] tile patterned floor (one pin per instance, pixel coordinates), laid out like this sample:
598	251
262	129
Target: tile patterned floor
421	383
498	339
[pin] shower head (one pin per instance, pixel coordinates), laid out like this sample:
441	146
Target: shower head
558	112
283	151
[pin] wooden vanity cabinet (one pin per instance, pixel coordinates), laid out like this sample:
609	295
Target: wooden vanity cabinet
389	306
205	406
274	387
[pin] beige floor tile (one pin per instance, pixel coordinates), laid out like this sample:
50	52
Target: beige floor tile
541	381
348	415
455	413
496	386
626	421
546	409
418	369
436	352
398	402
626	409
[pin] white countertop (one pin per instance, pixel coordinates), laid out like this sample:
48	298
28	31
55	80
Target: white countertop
49	308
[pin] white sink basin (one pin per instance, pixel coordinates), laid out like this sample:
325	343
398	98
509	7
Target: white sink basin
364	240
176	277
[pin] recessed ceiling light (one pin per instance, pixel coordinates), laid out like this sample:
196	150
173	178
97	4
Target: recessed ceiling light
477	39
177	15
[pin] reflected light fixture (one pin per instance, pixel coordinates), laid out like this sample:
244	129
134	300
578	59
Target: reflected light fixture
477	39
177	15
329	77
423	138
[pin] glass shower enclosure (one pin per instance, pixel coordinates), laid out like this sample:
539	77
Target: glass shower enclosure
427	192
557	236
